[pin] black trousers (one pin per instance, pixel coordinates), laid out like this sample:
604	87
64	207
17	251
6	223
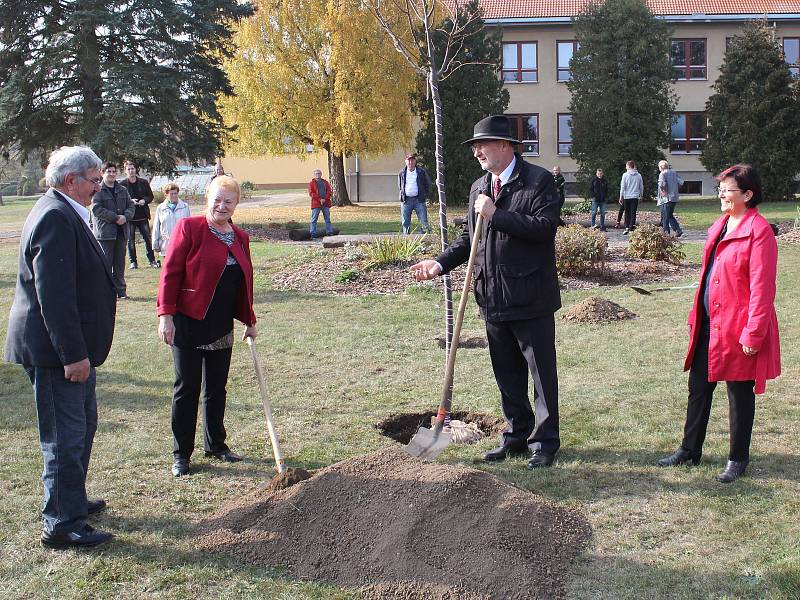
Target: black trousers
517	348
115	252
195	369
144	230
631	204
741	402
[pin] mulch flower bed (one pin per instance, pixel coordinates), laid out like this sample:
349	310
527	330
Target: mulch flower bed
318	271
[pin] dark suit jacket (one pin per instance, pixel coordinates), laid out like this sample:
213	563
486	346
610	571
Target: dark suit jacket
515	268
107	205
65	300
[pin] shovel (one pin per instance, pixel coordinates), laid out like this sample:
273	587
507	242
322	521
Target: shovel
262	386
427	444
665	289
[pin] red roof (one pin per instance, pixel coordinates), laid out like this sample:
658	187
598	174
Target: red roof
515	9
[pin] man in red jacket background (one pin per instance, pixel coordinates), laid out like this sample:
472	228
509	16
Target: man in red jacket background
320	191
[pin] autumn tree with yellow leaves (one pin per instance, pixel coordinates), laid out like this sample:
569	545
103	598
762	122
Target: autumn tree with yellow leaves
318	72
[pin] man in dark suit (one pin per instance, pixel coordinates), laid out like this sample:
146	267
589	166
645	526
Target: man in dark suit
112	211
516	286
60	328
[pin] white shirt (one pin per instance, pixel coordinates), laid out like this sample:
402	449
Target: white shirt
82	211
412	189
506	174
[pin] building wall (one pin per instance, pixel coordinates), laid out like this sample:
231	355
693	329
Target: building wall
375	178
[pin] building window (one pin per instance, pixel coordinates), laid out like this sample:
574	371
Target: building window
791	52
564	134
688	59
690	188
688	133
526	129
520	62
565	51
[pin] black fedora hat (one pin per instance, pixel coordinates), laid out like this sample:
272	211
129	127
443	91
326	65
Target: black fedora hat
496	127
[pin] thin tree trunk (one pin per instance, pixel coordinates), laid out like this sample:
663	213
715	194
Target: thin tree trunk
338	183
433	83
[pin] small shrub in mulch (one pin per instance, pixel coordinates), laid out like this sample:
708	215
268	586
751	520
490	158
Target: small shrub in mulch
580	251
649	241
596	310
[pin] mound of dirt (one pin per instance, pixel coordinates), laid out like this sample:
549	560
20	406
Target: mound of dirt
596	310
392	526
288	478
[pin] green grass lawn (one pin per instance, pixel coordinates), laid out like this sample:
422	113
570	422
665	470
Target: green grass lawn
335	366
14	211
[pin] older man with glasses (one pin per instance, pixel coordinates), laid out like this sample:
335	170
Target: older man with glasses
60	328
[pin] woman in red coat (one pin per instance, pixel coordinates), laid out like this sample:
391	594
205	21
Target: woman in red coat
733	326
206	283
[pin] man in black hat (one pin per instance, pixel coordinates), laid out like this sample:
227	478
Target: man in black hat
516	286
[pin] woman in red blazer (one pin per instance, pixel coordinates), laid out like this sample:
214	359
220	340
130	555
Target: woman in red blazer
206	282
733	326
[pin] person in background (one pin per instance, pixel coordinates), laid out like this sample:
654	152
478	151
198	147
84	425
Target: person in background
733	325
598	190
141	196
218	171
320	191
60	329
112	209
206	283
631	190
414	185
168	213
669	183
561	184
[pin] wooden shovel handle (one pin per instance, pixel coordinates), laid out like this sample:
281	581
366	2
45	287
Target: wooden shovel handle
447	397
262	386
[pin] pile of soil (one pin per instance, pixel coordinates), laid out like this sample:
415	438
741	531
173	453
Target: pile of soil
596	310
392	526
288	478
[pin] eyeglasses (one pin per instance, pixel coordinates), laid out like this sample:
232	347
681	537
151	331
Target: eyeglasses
96	182
722	190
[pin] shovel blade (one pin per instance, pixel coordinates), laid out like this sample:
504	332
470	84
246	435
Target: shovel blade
642	291
427	444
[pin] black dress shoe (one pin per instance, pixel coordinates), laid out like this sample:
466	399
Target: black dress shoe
733	470
679	457
540	459
502	453
180	467
227	456
95	506
86	537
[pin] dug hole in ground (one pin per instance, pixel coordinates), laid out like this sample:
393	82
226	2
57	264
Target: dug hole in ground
392	526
